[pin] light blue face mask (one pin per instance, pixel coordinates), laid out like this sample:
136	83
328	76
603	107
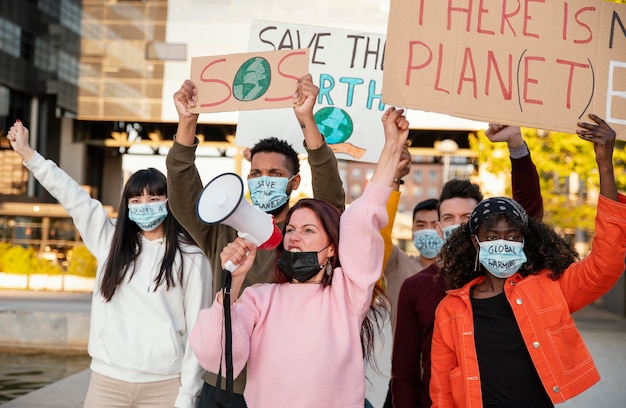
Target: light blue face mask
447	231
148	216
268	193
428	242
501	258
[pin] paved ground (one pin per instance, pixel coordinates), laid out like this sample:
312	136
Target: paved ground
604	332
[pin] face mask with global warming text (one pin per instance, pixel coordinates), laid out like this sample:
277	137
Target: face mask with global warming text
268	193
148	216
501	258
428	242
301	266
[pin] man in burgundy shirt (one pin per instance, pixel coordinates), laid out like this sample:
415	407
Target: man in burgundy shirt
420	294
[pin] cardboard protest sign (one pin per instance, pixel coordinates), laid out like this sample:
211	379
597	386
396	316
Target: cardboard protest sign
348	68
537	63
261	80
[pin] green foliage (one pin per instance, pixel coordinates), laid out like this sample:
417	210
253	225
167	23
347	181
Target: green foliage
556	156
4	247
19	260
45	267
26	261
81	262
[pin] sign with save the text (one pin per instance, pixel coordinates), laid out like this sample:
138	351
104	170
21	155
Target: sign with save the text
347	66
537	63
234	82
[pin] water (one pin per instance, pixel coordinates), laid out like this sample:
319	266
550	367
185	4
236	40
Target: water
22	372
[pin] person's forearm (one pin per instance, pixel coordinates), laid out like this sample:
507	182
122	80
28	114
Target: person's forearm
186	131
325	178
387	165
312	136
392	209
608	187
26	153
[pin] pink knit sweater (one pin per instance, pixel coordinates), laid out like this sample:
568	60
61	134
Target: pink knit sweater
301	342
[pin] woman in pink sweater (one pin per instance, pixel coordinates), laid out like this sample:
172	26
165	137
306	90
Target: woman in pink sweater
300	337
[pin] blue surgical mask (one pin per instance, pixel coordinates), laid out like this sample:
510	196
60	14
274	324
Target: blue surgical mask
428	242
148	216
501	258
268	193
447	231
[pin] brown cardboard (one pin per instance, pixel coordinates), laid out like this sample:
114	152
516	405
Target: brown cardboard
539	63
246	81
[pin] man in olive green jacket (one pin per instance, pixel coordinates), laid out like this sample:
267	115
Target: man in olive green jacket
270	158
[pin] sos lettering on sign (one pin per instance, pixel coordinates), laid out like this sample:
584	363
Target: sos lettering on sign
247	81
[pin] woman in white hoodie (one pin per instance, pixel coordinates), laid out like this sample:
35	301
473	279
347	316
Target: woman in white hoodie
151	283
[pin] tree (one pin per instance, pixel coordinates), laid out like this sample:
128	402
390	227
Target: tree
567	171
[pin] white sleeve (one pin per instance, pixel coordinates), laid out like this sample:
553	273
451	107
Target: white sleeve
197	293
88	214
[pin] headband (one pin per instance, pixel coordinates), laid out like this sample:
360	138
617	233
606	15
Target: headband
496	205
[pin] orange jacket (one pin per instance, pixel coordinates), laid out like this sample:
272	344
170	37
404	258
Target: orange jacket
542	308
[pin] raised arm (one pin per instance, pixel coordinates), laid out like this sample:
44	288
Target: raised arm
325	177
404	167
183	180
18	137
603	138
184	99
396	132
524	177
597	273
89	216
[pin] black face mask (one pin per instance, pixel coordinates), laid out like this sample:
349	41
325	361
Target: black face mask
301	266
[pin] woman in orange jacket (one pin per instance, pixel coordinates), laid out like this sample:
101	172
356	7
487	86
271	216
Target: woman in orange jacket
504	335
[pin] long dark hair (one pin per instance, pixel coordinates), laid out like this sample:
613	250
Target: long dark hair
329	217
543	247
126	243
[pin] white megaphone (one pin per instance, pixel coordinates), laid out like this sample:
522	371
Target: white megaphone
222	201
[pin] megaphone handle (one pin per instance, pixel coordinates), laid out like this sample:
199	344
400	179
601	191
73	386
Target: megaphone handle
221	400
230	266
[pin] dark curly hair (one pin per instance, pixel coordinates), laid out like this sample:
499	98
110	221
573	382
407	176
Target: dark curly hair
543	247
275	145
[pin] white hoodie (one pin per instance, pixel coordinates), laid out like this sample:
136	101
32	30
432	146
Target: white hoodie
141	335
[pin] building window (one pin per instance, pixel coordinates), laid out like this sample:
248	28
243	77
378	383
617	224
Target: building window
356	173
433	192
418	192
70	15
418	176
4	102
50	7
42	54
68	68
433	175
10	38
